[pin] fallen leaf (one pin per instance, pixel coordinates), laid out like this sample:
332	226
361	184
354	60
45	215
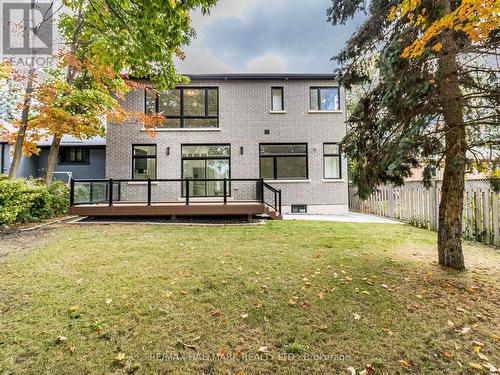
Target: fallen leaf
357	316
351	370
370	369
405	363
388	331
464	331
120	357
189	346
385	286
216	313
476	366
323	327
348	279
321	294
450	324
293	300
71	348
492	369
482	357
61	339
262	349
184	292
413	307
72	309
448	355
108	301
168	294
305	305
244	316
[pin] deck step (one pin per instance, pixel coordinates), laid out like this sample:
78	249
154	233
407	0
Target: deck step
272	213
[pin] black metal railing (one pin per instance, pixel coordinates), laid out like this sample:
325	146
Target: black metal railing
85	191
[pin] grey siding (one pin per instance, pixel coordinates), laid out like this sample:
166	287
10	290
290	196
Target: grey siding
244	114
96	169
27	167
34	166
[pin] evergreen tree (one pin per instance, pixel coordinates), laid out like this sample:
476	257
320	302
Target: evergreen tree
436	100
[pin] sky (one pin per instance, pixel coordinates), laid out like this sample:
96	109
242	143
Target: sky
265	36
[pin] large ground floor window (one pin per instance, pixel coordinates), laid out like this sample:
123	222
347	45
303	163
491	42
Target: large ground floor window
206	162
283	161
143	162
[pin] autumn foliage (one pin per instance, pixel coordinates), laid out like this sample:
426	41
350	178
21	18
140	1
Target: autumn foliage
476	19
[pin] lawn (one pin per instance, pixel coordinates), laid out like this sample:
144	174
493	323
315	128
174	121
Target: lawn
285	297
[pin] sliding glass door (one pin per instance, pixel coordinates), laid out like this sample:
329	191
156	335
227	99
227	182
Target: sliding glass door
206	162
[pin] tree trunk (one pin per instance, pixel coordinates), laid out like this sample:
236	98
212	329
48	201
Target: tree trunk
52	159
21	133
452	195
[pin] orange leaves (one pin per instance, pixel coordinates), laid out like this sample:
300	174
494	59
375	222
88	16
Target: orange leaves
475	18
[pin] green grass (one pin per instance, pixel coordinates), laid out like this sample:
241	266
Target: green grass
123	296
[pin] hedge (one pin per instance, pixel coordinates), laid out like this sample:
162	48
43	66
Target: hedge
27	200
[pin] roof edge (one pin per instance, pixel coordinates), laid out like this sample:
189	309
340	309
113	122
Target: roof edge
263	76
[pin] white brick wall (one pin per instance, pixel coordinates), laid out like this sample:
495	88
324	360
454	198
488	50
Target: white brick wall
244	107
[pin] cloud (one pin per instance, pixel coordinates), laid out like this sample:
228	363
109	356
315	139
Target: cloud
202	60
269	63
260	35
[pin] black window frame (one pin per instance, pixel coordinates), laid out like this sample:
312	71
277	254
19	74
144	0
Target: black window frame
276	156
181	117
205	158
325	155
294	209
85	154
282	89
319	88
155	156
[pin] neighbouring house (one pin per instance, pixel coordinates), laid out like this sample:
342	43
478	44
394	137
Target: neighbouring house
238	128
78	158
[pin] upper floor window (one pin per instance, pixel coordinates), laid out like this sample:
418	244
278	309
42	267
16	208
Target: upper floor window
74	155
324	99
186	107
143	162
331	160
283	161
277	101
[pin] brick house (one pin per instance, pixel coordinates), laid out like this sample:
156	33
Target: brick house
282	128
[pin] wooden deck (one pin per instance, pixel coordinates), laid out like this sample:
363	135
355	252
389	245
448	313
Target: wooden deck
174	208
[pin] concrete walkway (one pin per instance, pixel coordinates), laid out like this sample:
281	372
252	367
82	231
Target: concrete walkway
351	217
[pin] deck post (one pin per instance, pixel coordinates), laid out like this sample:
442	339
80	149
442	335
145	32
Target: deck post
262	190
110	192
187	191
149	192
225	190
279	201
276	199
71	192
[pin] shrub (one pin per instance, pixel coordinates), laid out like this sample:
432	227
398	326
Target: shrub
26	200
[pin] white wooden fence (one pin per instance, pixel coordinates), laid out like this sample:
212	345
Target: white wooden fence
416	205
